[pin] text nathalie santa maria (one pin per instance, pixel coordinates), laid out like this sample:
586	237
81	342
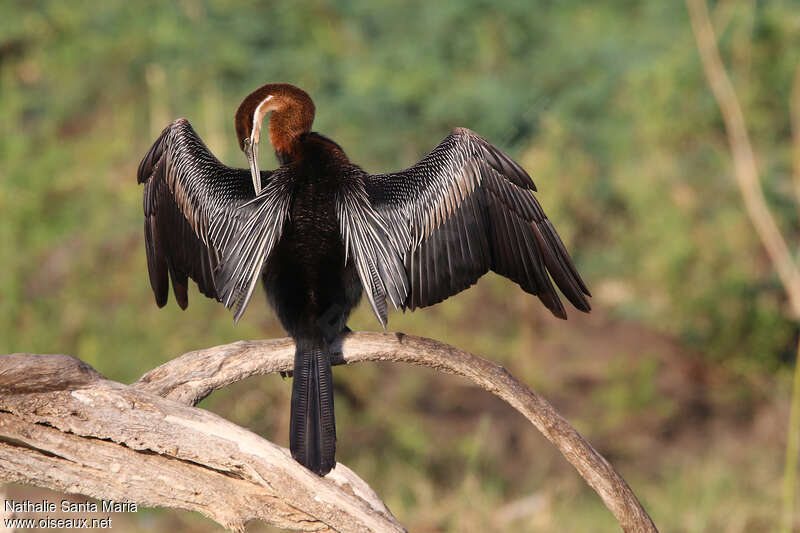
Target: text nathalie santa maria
68	506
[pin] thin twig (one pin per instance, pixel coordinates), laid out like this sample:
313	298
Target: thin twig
744	160
747	177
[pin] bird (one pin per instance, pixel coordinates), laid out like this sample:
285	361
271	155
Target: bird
321	233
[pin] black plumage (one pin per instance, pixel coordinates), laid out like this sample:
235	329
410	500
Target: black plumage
198	210
464	209
320	231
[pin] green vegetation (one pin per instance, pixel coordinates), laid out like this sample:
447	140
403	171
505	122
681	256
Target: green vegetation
607	106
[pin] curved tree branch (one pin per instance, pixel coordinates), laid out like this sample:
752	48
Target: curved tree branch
193	376
65	427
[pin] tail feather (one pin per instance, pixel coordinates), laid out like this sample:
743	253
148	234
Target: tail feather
313	427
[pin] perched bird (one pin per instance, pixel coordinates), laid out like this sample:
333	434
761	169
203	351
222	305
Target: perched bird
320	232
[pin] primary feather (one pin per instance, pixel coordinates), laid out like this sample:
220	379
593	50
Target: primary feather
199	211
464	209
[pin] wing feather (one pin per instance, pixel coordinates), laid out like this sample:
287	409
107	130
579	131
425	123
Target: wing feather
464	209
203	221
374	247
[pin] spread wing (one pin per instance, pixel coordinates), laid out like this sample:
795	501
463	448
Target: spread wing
464	209
202	220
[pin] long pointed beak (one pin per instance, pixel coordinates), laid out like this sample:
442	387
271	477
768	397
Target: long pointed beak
251	151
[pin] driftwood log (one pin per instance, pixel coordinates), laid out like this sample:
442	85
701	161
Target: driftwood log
65	427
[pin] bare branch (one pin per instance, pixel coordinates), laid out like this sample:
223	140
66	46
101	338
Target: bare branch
191	377
64	427
744	161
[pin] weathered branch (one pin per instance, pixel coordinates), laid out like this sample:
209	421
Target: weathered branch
195	375
744	159
107	440
277	489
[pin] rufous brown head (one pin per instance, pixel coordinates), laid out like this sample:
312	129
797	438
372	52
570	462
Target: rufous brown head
292	115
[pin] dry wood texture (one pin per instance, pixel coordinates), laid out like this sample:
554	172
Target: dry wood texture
145	442
107	440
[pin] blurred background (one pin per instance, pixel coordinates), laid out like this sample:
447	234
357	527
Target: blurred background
680	376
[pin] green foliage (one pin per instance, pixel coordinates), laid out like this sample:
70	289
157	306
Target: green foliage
605	103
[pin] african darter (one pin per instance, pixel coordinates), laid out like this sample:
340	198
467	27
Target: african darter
320	231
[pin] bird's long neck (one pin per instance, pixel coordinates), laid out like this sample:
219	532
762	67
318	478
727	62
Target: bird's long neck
292	115
286	126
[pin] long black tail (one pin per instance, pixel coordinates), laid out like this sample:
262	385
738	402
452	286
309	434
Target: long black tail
313	428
